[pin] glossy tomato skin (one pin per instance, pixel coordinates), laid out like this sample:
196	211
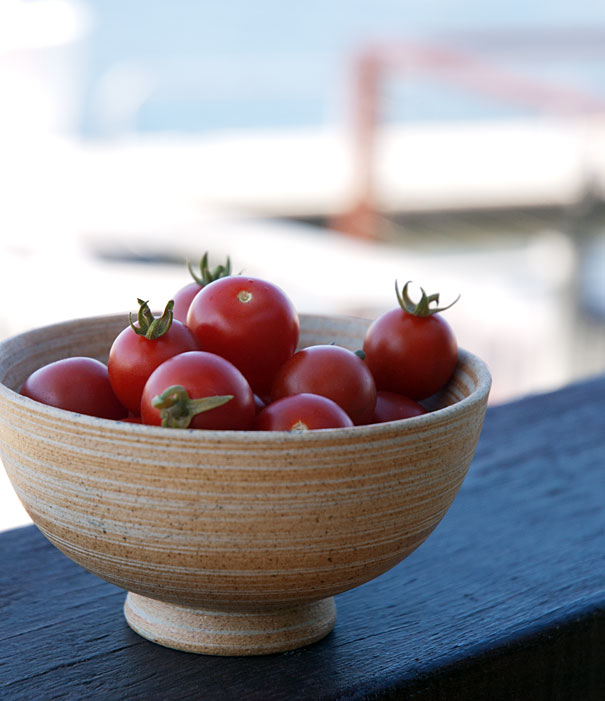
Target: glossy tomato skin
202	374
302	412
411	355
333	372
259	404
391	406
132	358
182	300
248	321
76	384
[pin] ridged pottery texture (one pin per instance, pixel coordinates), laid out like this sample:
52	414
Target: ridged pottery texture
232	542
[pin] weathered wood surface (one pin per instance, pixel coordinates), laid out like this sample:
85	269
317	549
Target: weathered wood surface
506	600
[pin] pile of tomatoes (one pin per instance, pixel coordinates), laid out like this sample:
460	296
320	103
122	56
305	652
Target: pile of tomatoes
223	355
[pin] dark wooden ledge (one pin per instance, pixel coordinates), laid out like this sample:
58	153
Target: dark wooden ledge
506	600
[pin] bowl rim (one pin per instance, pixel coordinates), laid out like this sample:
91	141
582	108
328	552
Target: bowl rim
477	396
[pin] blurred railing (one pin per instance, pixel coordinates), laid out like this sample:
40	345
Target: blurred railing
467	68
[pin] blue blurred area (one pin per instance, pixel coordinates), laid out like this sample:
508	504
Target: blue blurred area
194	66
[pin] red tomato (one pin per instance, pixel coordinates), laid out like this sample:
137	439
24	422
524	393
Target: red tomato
333	372
200	376
75	384
184	297
139	349
302	412
391	407
250	322
411	350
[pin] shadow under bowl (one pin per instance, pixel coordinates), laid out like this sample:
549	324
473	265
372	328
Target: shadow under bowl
232	542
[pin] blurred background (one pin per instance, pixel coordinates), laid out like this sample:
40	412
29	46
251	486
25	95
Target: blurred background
330	147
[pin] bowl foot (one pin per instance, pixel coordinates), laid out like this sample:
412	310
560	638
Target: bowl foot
213	631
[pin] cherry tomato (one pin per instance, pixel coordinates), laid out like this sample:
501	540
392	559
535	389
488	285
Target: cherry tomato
184	297
411	350
76	384
140	348
248	321
333	372
175	392
391	407
302	412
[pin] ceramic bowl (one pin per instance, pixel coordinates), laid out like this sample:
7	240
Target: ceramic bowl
232	542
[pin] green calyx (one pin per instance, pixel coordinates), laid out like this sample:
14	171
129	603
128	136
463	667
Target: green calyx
426	305
206	275
148	325
177	409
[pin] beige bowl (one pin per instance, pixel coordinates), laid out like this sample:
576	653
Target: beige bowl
231	542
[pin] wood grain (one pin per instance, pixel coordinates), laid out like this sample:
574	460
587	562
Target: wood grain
506	600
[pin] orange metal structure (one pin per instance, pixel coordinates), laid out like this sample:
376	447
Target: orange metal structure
467	69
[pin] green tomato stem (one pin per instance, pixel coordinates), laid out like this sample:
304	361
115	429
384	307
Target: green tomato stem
206	275
150	326
423	307
177	409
